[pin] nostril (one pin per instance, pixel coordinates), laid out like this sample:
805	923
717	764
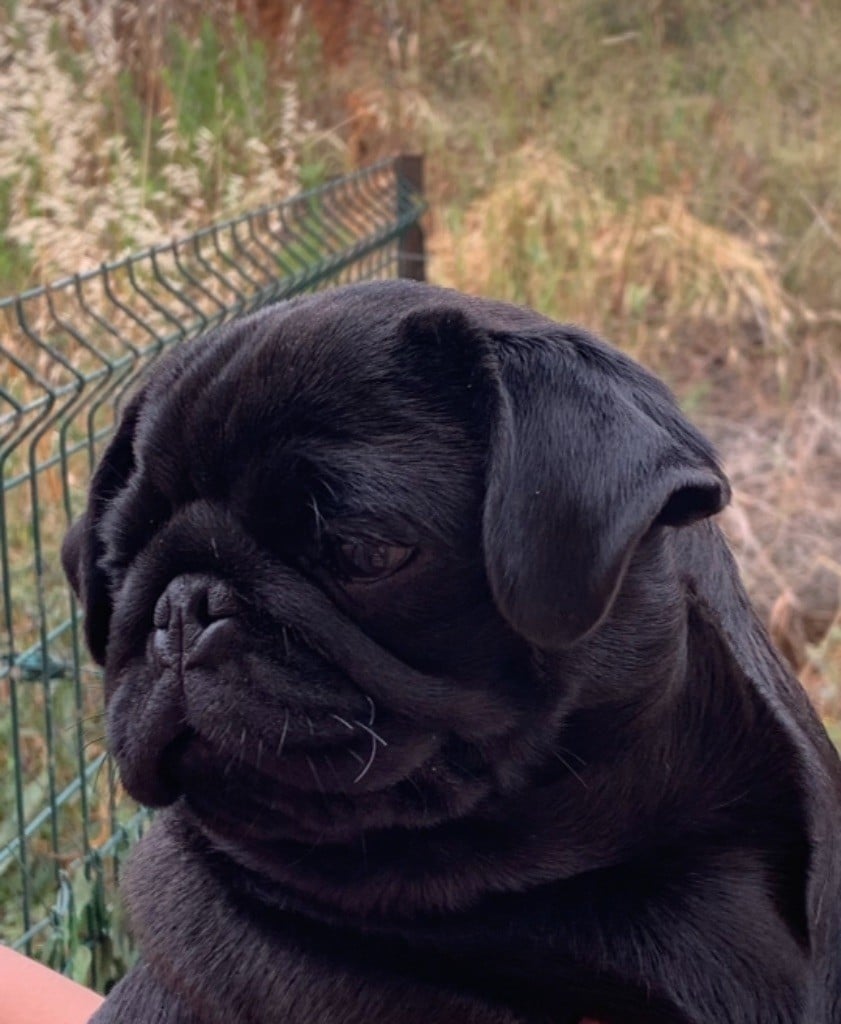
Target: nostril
220	602
200	608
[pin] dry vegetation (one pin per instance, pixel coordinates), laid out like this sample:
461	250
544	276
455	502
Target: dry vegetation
664	171
121	129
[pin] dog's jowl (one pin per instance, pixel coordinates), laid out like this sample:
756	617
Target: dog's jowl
418	629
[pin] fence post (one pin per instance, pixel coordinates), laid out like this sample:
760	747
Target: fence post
411	257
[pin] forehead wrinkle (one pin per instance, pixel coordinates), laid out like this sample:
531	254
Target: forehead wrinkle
324	386
279	392
434	490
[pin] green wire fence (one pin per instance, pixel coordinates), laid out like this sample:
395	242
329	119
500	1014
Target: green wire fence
70	354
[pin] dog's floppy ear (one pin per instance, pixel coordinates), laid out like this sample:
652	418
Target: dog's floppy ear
82	548
588	452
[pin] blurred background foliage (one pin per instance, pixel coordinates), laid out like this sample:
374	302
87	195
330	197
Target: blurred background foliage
666	172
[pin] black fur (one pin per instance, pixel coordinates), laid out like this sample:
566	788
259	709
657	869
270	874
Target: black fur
549	768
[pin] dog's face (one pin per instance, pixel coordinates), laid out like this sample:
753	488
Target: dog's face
333	544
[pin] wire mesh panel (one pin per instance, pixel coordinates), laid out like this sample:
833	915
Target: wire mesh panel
69	355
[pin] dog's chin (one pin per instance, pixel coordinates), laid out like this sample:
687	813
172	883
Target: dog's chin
330	789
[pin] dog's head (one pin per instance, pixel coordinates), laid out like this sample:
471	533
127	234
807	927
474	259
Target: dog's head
333	544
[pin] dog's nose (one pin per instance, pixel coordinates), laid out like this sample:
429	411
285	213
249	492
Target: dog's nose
186	610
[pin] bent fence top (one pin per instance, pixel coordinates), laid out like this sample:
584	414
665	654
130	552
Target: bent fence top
70	353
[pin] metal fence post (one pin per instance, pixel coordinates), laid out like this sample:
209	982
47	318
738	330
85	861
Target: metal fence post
411	255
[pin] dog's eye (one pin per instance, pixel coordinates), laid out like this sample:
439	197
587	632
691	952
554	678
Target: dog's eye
371	559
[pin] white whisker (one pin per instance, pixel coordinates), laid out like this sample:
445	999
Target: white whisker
367	728
370	760
343	721
315	775
283	734
569	767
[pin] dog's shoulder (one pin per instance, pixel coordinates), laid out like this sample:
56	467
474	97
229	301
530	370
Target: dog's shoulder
140	997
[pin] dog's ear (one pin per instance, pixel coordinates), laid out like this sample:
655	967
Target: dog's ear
588	453
82	549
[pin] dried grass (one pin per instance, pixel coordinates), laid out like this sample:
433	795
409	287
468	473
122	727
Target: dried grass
546	235
81	186
785	526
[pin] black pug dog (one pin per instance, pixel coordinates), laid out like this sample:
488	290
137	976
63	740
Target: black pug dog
414	621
